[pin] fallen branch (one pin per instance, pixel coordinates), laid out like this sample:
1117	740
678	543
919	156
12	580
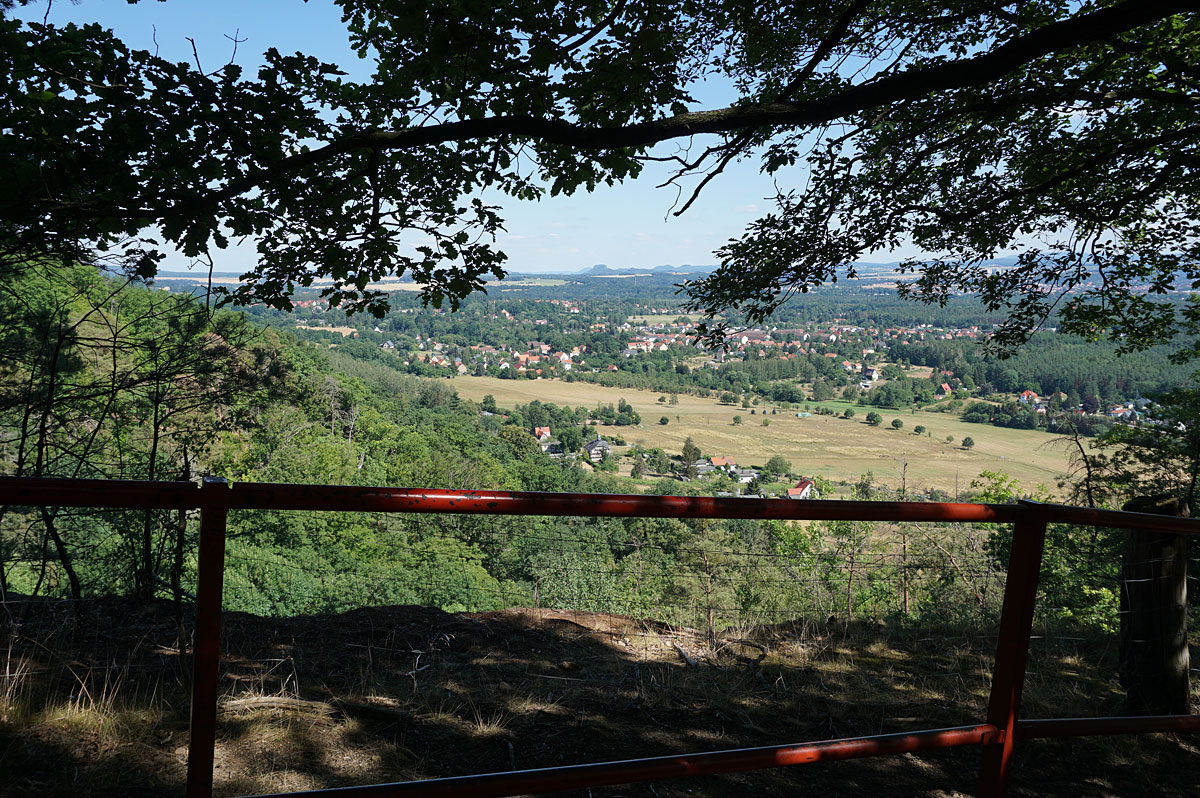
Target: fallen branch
686	657
277	702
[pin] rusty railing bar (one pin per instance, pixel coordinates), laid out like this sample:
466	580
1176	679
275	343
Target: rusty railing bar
106	493
525	782
1085	727
35	491
1121	519
210	576
1012	647
263	496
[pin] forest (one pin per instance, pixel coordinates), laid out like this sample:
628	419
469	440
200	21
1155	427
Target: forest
107	378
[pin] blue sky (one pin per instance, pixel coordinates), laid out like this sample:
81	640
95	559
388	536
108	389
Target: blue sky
626	226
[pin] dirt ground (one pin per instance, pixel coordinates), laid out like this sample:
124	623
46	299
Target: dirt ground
96	705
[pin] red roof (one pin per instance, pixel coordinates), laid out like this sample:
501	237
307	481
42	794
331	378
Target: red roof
802	487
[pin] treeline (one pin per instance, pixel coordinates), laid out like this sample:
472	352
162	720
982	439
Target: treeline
771	378
864	307
1052	363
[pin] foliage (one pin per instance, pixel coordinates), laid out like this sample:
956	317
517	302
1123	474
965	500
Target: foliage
1080	566
968	442
963	130
1160	456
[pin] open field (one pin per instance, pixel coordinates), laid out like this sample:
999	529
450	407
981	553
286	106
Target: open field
834	448
664	318
343	330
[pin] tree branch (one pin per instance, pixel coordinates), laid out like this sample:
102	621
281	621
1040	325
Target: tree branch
964	73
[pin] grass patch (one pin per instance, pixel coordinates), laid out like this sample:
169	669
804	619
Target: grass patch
832	447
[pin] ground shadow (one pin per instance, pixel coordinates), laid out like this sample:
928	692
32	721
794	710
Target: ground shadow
397	693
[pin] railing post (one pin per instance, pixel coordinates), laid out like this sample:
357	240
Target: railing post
210	574
1012	647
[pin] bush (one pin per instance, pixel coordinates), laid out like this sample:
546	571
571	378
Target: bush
968	442
897	423
664	421
849	412
874	419
919	429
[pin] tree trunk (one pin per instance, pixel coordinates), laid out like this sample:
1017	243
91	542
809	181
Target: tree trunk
1153	642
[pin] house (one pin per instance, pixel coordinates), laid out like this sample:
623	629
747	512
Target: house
803	490
553	448
721	462
743	475
870	374
597	449
541	433
1027	396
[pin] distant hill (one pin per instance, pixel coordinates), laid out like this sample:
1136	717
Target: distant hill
196	275
601	269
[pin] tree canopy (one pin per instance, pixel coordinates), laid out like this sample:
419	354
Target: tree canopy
1063	131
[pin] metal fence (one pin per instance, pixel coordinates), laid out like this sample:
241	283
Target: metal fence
998	734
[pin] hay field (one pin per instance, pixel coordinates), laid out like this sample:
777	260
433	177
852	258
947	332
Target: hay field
835	448
664	318
343	330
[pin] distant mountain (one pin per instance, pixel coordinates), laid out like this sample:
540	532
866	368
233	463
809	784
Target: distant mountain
596	271
685	268
197	275
601	269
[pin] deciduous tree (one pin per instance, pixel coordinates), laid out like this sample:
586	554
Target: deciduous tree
1063	132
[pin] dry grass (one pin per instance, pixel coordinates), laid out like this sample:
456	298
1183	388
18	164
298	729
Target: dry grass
343	330
835	448
387	694
664	318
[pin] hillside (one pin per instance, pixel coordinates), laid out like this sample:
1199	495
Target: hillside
394	693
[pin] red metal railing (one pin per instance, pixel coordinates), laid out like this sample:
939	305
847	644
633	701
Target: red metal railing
998	735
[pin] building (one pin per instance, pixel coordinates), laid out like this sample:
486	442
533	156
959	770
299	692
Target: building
803	490
597	449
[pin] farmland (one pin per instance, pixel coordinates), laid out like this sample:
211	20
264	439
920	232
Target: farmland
831	447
